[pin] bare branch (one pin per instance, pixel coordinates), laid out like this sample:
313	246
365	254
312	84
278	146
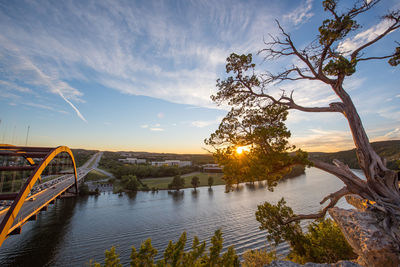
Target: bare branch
395	25
344	173
372	58
334	198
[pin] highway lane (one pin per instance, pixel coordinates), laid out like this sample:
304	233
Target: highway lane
46	195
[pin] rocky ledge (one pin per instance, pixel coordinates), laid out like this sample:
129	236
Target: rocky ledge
369	241
292	264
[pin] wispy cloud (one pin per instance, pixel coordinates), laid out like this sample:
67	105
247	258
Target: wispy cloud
155	129
301	13
201	124
72	105
324	141
13	86
394	134
36	105
350	44
138	50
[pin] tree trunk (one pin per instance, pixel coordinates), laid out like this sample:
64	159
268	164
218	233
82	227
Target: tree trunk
382	186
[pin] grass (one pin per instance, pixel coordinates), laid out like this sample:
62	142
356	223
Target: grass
94	175
162	183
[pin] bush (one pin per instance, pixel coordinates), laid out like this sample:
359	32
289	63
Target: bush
174	254
324	242
257	258
177	183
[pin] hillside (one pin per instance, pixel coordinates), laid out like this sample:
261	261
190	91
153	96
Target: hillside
387	149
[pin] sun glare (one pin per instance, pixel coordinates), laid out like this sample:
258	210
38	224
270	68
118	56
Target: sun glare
240	149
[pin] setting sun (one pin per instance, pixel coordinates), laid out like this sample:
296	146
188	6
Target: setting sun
240	149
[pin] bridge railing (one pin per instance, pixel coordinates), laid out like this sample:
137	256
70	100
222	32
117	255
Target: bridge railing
32	155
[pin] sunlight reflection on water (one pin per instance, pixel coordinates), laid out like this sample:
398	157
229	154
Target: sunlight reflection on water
74	231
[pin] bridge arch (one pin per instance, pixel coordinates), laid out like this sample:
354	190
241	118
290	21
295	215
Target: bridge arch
6	225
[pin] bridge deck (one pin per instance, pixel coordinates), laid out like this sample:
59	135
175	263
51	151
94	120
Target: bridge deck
43	198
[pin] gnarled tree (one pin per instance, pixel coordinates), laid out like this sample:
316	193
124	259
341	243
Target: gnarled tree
257	117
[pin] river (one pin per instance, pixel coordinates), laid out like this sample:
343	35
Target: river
73	231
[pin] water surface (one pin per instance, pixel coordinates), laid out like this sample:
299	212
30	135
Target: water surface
75	230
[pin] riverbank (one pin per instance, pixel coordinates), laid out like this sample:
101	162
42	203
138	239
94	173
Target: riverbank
162	183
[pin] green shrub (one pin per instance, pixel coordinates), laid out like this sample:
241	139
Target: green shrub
324	242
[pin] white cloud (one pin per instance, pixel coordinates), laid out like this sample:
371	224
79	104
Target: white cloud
394	134
201	124
155	129
352	43
301	14
13	86
36	105
72	105
138	50
324	141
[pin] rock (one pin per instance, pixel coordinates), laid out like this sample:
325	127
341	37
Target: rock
356	201
280	263
369	241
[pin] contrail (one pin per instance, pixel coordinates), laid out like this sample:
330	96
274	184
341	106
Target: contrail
72	105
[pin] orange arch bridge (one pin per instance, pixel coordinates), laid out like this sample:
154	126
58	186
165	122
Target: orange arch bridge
37	158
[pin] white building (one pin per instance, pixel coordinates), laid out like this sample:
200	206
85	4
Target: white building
125	154
211	168
133	161
171	163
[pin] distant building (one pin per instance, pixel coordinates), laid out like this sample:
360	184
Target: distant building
177	163
125	154
211	168
133	161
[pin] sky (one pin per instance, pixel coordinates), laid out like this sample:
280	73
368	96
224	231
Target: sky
138	75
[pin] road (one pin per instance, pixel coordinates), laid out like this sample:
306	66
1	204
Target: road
45	196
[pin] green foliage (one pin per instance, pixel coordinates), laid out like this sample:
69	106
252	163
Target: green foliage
175	256
195	182
130	182
259	127
112	258
324	241
82	155
145	256
177	183
95	176
258	258
272	218
390	150
337	28
340	65
296	171
210	181
395	60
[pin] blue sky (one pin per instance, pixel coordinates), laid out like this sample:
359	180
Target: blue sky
138	75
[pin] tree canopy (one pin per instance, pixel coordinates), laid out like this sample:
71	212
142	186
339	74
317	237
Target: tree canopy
177	183
257	117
